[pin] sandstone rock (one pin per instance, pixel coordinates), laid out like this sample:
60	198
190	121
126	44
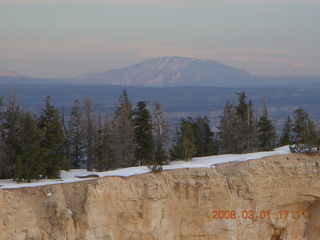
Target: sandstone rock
283	193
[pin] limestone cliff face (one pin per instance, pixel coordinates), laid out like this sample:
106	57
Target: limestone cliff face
176	204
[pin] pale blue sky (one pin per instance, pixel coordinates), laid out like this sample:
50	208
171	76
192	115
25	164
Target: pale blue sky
66	38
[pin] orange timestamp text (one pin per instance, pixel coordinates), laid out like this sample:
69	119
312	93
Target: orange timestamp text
263	214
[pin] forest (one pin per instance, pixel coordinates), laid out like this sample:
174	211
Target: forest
37	146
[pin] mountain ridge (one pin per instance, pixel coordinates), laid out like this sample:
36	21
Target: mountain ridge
169	71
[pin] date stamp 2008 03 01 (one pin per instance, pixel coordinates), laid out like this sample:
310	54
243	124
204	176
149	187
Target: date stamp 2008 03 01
282	214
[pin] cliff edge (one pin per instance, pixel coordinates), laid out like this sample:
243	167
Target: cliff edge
273	198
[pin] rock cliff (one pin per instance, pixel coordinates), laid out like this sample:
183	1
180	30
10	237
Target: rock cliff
274	198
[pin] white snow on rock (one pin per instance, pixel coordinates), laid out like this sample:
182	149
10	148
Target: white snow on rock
206	162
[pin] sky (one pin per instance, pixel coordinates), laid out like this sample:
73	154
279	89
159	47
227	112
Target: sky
67	38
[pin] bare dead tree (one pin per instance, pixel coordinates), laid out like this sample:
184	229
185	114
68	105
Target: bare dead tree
161	130
89	122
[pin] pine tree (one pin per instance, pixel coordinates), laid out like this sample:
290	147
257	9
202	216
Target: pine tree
176	148
286	136
305	133
205	144
238	127
228	130
11	124
312	138
266	131
29	155
123	133
246	124
301	120
4	158
54	141
142	121
10	127
77	135
102	151
184	147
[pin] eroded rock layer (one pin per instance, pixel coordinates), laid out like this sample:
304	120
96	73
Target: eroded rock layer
274	198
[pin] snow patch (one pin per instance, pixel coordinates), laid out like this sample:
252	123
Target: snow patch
203	162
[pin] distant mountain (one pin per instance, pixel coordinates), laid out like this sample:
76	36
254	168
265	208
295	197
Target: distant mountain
169	71
10	74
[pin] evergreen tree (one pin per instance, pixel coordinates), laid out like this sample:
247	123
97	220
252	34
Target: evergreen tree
77	135
4	158
29	155
184	147
188	139
54	141
10	127
2	114
301	120
176	148
305	134
161	132
238	127
246	124
142	121
228	130
312	136
286	136
11	124
204	142
266	131
123	133
102	151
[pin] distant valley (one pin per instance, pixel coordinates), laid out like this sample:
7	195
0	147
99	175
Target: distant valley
178	101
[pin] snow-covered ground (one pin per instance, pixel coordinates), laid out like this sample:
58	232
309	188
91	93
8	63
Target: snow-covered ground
72	175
